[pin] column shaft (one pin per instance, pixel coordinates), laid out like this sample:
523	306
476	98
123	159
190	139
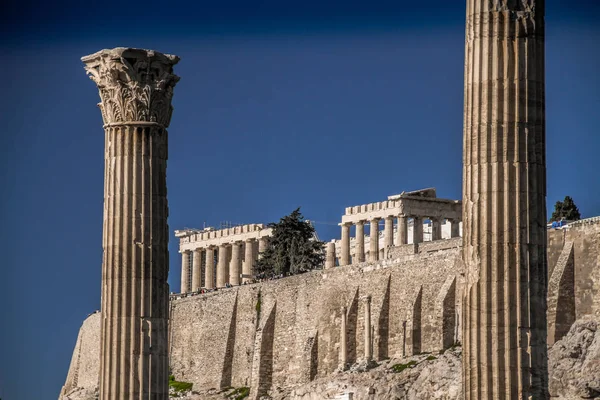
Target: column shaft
209	272
417	230
436	228
402	230
454	228
359	244
185	271
197	270
222	266
330	255
504	208
248	261
374	240
262	246
345	253
135	264
388	231
235	267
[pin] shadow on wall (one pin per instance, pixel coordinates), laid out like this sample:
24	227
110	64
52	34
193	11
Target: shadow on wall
230	348
352	329
384	324
265	369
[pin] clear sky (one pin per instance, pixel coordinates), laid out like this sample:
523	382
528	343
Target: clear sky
280	105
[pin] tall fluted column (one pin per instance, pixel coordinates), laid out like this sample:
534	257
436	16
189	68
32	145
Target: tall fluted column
185	271
330	255
368	347
222	266
374	240
345	253
136	88
388	231
402	230
436	228
235	266
504	197
417	229
359	245
197	270
248	261
343	340
209	271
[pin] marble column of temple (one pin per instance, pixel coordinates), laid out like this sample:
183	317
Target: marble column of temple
262	246
345	256
374	240
248	261
436	228
368	344
402	230
359	247
330	255
417	229
388	231
185	271
454	228
504	196
209	269
222	266
134	352
235	266
196	270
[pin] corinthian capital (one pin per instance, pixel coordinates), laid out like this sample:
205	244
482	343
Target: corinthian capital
134	84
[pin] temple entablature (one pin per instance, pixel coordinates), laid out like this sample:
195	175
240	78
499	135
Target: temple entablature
191	239
410	204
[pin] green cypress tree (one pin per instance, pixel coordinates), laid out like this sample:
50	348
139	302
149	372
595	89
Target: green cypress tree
292	248
565	209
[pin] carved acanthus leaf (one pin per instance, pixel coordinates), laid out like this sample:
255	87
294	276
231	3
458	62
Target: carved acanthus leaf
134	84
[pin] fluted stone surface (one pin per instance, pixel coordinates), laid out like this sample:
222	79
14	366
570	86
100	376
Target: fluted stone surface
185	270
136	87
209	271
235	266
197	270
248	261
359	247
504	193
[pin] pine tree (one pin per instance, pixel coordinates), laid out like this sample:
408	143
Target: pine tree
565	209
292	248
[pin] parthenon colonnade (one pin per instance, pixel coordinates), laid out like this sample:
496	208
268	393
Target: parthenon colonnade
417	205
136	88
504	198
215	258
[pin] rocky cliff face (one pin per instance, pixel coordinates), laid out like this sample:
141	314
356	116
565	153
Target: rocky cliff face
574	364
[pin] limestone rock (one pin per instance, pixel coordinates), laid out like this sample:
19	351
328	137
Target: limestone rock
574	362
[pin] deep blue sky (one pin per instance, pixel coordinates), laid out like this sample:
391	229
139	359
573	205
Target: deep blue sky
279	105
